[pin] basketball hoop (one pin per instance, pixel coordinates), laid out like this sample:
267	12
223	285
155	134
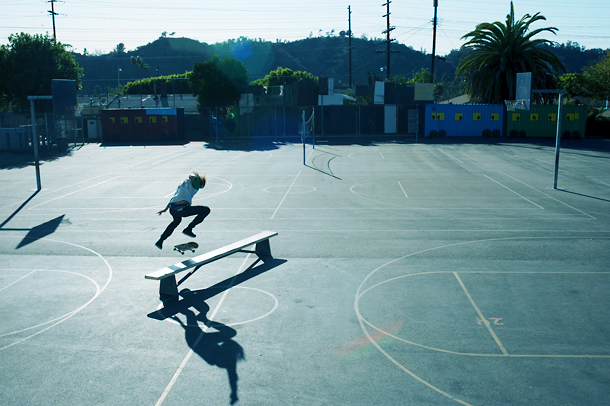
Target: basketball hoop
511	105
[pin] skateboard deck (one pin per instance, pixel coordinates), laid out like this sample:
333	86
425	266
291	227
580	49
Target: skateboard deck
181	248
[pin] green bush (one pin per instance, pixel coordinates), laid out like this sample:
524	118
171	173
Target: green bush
176	84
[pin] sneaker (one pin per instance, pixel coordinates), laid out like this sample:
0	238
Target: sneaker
159	244
189	232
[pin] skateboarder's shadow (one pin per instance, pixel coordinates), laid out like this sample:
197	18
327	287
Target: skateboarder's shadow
216	348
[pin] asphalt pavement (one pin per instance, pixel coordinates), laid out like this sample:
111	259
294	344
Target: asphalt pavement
405	273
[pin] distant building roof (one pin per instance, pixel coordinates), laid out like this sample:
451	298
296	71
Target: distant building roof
463	99
150	101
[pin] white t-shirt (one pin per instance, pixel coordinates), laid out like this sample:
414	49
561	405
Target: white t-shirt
185	191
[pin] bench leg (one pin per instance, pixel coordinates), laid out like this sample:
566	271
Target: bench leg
167	286
263	250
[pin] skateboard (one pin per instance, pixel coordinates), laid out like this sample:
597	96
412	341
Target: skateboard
185	247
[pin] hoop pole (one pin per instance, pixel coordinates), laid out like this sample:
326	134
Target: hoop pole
313	127
35	140
35	144
303	135
558	137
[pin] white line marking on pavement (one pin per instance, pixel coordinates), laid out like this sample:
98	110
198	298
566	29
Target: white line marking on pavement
506	187
204	329
284	198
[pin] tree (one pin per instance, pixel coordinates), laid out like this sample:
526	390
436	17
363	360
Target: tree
235	71
217	83
284	76
28	64
119	49
574	83
499	51
597	79
139	62
593	83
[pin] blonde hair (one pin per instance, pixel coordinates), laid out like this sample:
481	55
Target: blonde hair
201	179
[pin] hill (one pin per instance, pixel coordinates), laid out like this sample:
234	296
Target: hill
321	56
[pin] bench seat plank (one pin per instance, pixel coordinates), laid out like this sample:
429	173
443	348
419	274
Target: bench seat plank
210	256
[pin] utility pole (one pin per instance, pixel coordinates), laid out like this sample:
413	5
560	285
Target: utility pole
349	46
53	14
435	3
388	40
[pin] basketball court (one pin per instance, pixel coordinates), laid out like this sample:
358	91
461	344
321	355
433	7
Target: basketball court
404	273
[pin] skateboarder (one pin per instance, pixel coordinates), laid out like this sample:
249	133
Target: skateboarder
180	206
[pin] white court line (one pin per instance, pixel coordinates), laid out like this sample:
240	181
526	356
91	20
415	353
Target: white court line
75	311
485	321
284	198
56	190
506	187
11	284
549	196
171	157
450	156
382	157
71	193
403	189
469	157
204	330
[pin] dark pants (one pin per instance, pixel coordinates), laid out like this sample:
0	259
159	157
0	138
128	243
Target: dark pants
185	211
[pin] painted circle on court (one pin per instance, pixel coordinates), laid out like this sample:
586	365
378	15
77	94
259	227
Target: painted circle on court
44	308
385	191
293	190
242	302
366	156
215	186
388	327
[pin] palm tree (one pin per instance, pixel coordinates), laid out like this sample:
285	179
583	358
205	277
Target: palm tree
499	51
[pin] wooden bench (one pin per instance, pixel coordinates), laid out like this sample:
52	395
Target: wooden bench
167	276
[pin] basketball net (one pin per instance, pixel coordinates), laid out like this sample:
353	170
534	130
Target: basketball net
511	105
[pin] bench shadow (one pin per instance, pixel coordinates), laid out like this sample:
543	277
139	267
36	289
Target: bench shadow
216	348
173	305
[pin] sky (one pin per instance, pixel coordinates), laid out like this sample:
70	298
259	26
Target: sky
98	26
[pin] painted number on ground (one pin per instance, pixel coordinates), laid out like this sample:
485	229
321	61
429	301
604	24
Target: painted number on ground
494	320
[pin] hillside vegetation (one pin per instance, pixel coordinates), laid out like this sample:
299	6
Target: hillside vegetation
322	56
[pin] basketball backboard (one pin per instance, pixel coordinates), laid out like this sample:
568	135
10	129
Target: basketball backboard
64	96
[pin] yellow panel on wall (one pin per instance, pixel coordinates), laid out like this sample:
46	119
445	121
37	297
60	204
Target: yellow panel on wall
552	117
495	116
124	120
534	117
152	119
477	116
516	116
138	119
112	120
458	116
165	119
